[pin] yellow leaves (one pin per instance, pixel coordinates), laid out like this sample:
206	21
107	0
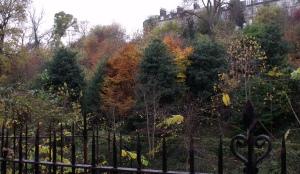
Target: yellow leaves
275	72
123	153
226	99
173	120
295	75
130	155
133	156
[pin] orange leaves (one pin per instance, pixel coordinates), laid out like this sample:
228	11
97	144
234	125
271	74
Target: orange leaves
118	90
181	55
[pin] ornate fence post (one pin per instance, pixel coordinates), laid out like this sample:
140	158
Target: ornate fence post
251	142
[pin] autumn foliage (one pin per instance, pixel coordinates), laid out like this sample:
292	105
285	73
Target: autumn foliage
175	46
118	90
101	42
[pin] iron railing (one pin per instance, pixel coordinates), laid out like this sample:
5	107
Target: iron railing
20	163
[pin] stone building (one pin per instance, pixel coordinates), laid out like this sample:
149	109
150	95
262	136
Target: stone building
252	6
250	9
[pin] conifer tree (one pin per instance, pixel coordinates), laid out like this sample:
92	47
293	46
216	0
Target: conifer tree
64	70
158	72
207	62
92	97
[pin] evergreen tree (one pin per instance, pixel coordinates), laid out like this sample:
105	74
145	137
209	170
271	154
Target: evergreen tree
157	75
269	36
92	97
207	62
65	70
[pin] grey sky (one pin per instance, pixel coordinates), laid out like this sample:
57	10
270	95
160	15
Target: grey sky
129	13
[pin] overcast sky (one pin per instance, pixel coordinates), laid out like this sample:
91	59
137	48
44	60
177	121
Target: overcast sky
129	13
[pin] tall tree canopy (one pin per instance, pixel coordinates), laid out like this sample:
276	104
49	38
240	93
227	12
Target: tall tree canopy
102	41
12	12
62	22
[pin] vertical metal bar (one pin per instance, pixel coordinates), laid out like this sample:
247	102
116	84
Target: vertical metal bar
26	147
93	153
97	145
85	140
283	156
220	156
191	156
164	156
115	153
249	118
108	148
61	147
50	147
2	137
54	167
14	147
36	151
138	153
251	164
20	152
120	150
4	162
2	153
73	149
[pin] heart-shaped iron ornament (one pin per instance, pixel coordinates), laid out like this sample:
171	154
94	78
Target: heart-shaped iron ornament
241	141
251	142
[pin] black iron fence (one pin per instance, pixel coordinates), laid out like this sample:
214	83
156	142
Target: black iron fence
15	157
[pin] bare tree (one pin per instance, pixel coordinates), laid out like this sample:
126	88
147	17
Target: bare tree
212	11
83	28
36	21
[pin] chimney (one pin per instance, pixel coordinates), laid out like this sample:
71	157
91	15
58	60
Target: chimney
163	13
179	9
